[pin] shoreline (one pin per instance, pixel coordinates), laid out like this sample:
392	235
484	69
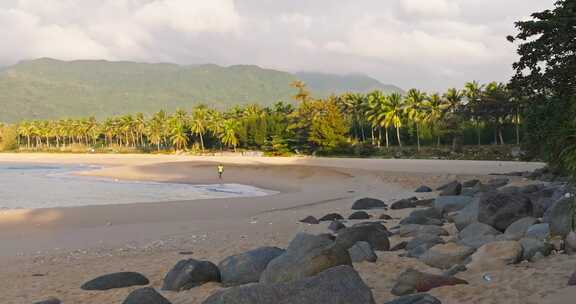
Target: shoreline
70	245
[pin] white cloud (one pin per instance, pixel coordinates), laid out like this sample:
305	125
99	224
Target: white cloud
431	8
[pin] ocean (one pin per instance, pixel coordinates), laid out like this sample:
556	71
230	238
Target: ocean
32	186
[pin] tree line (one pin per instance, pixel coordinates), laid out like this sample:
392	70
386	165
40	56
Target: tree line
331	125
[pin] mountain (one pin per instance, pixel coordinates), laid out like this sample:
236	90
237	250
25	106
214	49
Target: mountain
49	89
326	84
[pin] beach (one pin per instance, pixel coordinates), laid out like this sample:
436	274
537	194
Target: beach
51	252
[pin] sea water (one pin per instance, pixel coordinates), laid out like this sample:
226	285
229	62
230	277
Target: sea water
31	186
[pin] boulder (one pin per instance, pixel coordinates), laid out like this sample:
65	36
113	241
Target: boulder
336	226
310	220
49	301
428	216
368	203
517	230
247	267
385	217
452	271
424	202
447	204
511	190
399	246
532	247
338	285
470	183
467	216
540	205
560	217
359	215
374	234
423	189
116	280
476	230
444	256
413	281
495	256
420	298
190	273
500	210
145	295
498	182
570	243
331	217
403	204
362	251
539	231
532	188
452	188
420	244
412	230
307	255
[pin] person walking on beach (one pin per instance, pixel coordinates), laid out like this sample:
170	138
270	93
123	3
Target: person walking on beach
220	170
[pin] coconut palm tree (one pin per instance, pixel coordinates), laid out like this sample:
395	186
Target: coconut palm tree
436	108
303	94
473	92
416	110
376	114
394	113
199	123
229	133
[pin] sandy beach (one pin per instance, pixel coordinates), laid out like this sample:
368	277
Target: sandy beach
51	252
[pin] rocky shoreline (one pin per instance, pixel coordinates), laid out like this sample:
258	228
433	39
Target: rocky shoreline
469	226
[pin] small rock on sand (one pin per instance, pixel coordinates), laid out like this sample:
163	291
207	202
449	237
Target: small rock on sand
116	280
145	295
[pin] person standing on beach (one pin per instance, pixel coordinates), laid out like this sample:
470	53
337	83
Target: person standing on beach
220	170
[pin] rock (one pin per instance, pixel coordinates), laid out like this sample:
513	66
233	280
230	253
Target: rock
385	217
540	205
477	229
359	215
444	256
423	189
412	281
532	246
452	271
310	220
470	183
368	203
412	230
116	280
423	241
517	230
424	202
570	243
399	246
560	218
247	267
429	216
500	210
446	204
403	204
336	226
331	217
539	231
495	255
338	285
452	188
145	296
327	236
511	190
572	280
307	255
190	273
467	216
420	298
50	301
479	241
532	188
498	182
374	234
362	251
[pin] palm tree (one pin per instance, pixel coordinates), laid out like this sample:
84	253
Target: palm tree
473	92
229	133
454	99
415	110
303	94
376	114
179	129
394	113
156	128
354	104
435	113
199	123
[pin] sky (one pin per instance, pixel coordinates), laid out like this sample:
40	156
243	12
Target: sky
427	44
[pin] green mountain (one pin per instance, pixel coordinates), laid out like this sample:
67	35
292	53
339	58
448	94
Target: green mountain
326	84
48	88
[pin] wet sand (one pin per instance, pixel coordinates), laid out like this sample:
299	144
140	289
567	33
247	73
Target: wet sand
51	252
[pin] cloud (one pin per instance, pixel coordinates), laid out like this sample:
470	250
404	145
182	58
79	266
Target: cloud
422	43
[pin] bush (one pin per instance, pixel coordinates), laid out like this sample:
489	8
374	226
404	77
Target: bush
8	138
